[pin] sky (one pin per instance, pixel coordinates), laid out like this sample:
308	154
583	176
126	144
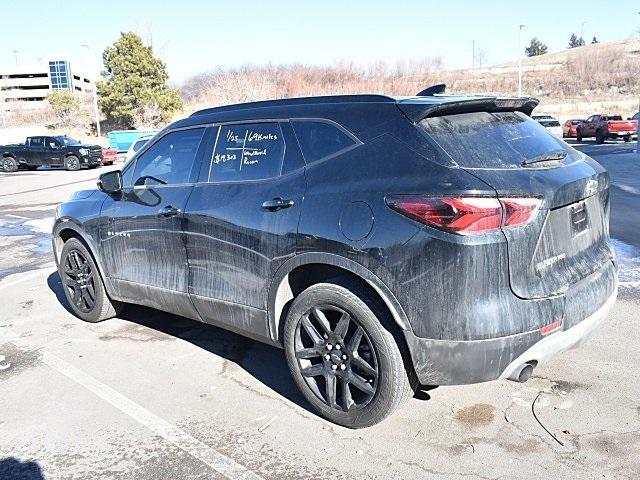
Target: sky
197	36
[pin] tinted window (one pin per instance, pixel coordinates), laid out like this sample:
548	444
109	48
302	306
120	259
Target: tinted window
51	143
320	139
170	159
491	140
251	151
37	142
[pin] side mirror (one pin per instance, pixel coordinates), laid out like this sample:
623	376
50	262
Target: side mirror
110	182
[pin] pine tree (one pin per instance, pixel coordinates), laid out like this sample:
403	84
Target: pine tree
535	48
595	40
134	82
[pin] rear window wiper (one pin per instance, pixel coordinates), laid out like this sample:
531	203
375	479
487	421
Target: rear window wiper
555	156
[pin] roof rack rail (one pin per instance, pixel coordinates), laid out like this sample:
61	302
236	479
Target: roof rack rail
433	90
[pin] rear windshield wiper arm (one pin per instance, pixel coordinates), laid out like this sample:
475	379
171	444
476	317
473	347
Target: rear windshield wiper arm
554	156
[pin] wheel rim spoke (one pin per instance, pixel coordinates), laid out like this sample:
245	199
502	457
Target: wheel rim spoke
87	298
360	383
364	366
354	343
313	370
322	319
343	325
316	338
331	387
307	353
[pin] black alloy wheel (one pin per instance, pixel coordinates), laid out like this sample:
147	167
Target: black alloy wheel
79	280
336	358
83	285
343	354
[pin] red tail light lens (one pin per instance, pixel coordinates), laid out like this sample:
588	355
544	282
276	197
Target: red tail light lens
466	215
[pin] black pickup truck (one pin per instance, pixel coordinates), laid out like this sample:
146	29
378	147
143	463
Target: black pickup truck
60	151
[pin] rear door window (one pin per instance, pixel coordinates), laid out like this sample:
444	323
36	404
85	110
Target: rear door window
320	140
491	140
244	152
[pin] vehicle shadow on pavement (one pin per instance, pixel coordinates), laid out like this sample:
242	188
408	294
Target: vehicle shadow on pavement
264	362
13	469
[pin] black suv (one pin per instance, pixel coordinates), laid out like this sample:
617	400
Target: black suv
383	242
59	151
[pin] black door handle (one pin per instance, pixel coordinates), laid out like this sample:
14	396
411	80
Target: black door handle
277	203
169	211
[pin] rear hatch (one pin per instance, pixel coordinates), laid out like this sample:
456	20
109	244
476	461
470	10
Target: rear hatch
568	239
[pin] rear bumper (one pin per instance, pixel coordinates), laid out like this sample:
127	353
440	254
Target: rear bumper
451	362
561	341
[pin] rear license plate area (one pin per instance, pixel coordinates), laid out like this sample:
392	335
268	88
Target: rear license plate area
579	217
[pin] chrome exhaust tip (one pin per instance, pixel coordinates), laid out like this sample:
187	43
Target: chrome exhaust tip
523	373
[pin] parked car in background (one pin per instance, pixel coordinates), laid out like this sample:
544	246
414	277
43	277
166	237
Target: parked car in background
604	127
138	144
569	128
109	156
635	116
54	151
121	140
543	116
551	124
382	242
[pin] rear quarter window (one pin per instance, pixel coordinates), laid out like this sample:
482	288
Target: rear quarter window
491	140
320	140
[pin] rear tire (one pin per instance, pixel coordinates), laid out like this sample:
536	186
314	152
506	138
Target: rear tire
578	135
627	138
82	284
9	165
363	380
72	163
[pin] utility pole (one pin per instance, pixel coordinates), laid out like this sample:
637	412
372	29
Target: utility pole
520	60
582	31
15	56
473	54
95	91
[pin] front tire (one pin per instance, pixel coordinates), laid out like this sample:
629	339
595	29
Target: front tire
9	165
82	284
600	137
345	363
72	163
578	135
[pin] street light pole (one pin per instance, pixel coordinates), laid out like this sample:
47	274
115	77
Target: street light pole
95	94
473	54
520	61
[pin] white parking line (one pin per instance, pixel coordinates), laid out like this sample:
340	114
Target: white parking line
197	449
181	439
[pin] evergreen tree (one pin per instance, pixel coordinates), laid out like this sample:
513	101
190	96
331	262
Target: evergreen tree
594	40
135	81
535	48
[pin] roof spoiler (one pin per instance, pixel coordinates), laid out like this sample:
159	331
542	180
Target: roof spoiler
417	110
433	90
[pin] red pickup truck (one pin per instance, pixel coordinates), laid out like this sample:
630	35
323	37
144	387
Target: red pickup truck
603	127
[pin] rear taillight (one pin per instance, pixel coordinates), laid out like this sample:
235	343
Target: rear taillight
466	215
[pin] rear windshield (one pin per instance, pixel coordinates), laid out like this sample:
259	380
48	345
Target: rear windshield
549	123
492	140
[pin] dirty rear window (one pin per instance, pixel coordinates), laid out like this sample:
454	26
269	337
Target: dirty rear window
492	140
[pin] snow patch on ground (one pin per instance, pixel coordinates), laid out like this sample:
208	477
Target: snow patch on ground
628	258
